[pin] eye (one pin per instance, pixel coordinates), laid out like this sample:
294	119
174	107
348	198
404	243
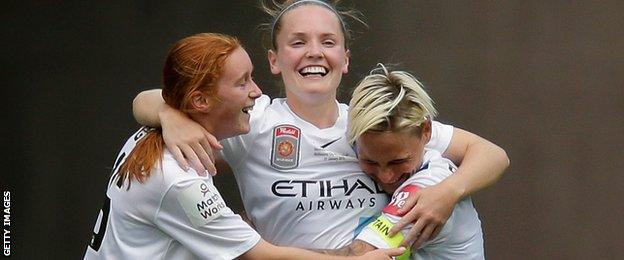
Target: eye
329	43
297	43
398	162
367	162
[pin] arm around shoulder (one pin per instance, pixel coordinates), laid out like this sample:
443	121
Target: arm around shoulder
146	106
481	162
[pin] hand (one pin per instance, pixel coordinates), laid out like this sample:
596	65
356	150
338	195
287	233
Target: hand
429	208
383	253
186	139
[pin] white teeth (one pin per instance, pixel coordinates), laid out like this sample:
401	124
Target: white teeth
247	109
314	69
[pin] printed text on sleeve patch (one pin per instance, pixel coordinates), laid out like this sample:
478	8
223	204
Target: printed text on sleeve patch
201	202
398	199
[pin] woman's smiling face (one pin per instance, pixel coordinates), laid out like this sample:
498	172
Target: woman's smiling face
311	54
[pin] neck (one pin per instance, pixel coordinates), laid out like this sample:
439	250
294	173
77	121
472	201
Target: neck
207	124
322	114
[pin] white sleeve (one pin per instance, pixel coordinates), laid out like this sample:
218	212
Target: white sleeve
441	135
369	236
193	213
236	148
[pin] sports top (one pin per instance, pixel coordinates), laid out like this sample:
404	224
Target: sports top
172	215
301	185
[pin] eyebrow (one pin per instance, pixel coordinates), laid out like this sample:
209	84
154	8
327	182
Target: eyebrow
301	34
244	76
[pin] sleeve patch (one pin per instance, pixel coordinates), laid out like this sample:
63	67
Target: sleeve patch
201	202
399	198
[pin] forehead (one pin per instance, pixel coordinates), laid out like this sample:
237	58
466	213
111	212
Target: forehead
310	17
237	64
385	146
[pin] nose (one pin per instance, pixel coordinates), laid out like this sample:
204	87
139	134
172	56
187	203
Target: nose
255	92
315	50
385	176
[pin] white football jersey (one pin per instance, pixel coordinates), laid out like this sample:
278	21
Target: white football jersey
301	185
460	238
172	215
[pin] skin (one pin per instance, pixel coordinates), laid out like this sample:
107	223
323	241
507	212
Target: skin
236	92
311	35
225	116
481	163
390	158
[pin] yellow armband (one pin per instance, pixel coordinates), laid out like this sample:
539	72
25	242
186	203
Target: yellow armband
382	227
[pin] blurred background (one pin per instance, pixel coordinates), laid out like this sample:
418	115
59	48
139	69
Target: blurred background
543	79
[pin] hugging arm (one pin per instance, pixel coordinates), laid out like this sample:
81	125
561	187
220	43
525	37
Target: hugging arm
188	141
481	163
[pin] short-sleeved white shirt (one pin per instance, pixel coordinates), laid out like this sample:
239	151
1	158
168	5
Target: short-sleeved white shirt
172	215
460	238
302	186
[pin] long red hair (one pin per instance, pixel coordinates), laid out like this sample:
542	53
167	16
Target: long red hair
194	63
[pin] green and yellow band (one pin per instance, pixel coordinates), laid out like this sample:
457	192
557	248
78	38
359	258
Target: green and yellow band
382	227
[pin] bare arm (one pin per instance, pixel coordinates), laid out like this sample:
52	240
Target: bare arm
481	163
146	106
356	248
264	250
186	140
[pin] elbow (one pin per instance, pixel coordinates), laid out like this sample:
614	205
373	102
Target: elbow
503	159
135	107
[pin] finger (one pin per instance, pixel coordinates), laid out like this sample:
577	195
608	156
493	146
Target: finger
413	233
436	231
190	155
208	148
424	236
213	141
393	251
404	221
410	202
177	155
204	158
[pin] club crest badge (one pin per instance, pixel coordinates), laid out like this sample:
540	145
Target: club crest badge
285	150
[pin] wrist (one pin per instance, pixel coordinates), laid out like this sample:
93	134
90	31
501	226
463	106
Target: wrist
454	187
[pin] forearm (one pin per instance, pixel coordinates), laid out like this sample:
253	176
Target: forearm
146	106
356	248
481	163
265	250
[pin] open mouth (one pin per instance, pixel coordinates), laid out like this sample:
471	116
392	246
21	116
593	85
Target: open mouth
247	109
312	71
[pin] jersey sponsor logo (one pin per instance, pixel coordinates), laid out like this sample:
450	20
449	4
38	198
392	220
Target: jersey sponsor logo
399	199
328	194
201	202
285	149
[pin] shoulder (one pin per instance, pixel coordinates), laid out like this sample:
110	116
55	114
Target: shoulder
434	170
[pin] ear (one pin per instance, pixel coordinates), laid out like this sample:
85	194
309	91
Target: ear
345	68
272	55
426	131
201	102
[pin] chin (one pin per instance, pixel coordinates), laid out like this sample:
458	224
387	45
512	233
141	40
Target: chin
388	189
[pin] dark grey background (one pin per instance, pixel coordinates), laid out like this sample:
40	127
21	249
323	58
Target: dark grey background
543	79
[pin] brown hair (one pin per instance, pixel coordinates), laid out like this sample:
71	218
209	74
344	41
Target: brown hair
194	63
276	10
